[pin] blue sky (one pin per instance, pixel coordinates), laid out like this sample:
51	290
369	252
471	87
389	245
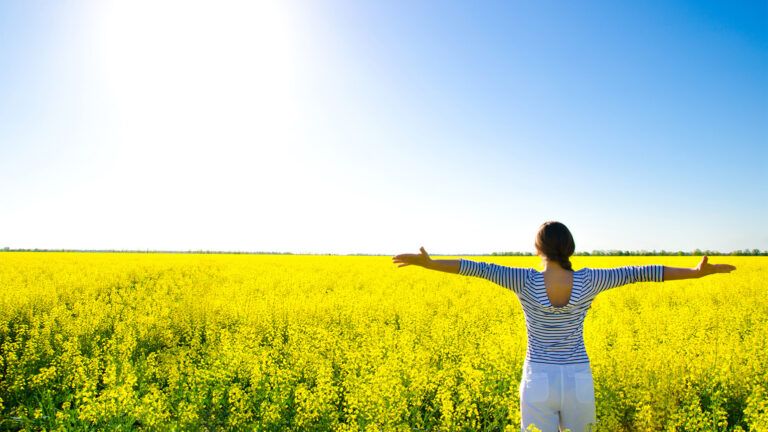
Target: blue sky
379	127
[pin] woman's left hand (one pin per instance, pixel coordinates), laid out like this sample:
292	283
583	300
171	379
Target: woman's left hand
421	259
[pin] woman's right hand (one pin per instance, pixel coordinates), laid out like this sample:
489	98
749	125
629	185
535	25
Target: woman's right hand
704	268
421	259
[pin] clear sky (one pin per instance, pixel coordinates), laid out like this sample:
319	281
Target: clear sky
379	127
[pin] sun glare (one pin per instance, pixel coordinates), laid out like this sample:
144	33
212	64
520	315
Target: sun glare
187	77
206	102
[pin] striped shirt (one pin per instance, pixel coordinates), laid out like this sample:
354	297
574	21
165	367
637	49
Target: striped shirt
556	334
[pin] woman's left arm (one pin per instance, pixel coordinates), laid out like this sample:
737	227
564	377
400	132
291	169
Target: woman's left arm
423	260
512	278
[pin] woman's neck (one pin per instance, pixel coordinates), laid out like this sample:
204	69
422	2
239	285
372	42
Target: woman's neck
551	265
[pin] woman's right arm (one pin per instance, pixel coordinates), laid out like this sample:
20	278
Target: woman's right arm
703	269
605	279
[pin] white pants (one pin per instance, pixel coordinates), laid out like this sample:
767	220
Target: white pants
555	397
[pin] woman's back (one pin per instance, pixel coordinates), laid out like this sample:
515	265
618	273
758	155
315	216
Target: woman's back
555	333
559	285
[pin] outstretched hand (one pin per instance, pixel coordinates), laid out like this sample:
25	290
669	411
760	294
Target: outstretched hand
421	259
704	268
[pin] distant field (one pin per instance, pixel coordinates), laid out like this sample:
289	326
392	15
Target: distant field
281	342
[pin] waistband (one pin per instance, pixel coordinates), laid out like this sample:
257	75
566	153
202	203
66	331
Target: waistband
544	367
555	363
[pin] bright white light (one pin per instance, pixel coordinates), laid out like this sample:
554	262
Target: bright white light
207	100
188	75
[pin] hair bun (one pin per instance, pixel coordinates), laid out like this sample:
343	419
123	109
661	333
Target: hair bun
565	263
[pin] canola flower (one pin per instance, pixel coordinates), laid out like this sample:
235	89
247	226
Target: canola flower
276	342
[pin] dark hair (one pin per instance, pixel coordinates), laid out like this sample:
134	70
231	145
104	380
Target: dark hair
556	243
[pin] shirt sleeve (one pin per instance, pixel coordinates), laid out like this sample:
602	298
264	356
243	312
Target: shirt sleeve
512	278
605	279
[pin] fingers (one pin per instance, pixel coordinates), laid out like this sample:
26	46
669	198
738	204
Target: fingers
724	268
409	256
704	260
423	251
403	256
405	259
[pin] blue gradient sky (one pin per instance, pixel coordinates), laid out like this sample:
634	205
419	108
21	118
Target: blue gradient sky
367	127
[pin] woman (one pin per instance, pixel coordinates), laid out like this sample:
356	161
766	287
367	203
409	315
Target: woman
556	390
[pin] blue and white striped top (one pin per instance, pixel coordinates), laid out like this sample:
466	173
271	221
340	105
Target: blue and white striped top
556	334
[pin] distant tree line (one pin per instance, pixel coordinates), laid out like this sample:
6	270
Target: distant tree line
7	249
617	252
600	252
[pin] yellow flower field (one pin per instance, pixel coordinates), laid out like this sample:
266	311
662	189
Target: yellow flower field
281	342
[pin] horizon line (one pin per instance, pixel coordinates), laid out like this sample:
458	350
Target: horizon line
594	252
